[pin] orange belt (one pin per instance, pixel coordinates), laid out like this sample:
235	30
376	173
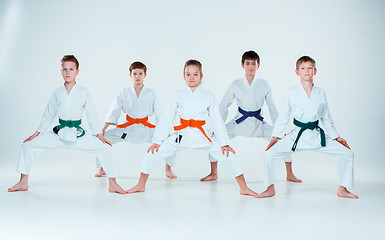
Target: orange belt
132	121
191	123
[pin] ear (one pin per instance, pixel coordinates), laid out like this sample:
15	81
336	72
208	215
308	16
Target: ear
243	66
77	71
201	76
130	75
315	71
258	66
145	75
297	72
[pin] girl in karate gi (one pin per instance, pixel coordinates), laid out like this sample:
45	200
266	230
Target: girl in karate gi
307	104
194	106
138	102
68	103
250	93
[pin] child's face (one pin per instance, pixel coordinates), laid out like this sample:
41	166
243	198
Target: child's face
306	71
250	66
69	71
193	76
137	75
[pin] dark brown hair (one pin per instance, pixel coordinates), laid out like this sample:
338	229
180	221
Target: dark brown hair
192	62
250	55
139	65
70	58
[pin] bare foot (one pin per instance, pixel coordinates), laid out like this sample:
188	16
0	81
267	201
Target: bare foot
136	188
269	192
293	178
343	192
114	187
20	186
169	173
100	173
210	177
247	191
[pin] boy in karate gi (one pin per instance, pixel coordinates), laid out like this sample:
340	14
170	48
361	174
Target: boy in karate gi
308	106
68	103
138	102
250	93
194	106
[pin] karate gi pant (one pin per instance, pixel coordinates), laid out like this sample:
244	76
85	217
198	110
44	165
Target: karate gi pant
342	155
170	147
48	141
267	131
114	136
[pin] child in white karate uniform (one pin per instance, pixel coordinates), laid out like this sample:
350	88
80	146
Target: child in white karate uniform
307	104
138	103
250	93
194	106
68	103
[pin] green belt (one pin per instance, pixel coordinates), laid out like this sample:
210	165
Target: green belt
311	126
70	124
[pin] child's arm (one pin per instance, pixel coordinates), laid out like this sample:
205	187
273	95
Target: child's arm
92	116
106	126
283	118
226	102
217	123
115	110
48	116
329	125
165	124
327	120
157	108
270	103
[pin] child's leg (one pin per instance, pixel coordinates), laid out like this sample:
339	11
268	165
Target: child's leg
167	149
28	154
106	157
230	127
169	163
344	158
112	136
22	185
232	165
273	158
213	172
267	131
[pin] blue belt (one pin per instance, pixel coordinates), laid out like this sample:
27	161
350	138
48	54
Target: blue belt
311	126
247	114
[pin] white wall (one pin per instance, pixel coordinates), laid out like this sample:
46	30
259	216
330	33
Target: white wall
345	37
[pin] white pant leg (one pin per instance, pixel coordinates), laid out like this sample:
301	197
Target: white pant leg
47	141
167	148
342	155
230	127
344	158
267	132
30	150
231	162
102	151
113	137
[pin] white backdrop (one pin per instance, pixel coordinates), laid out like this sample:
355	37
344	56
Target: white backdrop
346	38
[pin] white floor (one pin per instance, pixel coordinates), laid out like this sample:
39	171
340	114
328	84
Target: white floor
65	203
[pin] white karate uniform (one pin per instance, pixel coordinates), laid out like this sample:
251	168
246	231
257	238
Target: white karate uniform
144	105
197	105
249	98
304	109
68	107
